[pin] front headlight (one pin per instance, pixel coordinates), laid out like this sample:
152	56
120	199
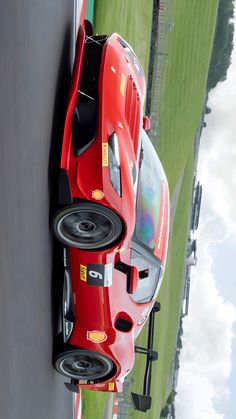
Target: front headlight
114	162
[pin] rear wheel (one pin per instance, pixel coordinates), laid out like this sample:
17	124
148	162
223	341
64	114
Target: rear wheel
81	364
87	226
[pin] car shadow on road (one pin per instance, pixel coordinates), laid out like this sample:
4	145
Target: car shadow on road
59	112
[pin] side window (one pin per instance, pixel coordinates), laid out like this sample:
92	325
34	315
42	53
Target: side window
148	278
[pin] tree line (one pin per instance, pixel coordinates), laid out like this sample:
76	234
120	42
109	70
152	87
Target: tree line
223	44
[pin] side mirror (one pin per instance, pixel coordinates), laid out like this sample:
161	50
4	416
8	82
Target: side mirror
131	274
146	123
132	282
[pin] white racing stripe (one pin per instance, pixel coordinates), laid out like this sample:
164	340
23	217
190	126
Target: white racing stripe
77	6
78	414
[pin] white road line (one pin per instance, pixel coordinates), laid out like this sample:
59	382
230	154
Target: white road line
77	6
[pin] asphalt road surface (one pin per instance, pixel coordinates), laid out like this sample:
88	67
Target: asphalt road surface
35	41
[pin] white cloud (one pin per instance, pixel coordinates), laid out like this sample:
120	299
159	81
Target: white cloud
205	362
217	170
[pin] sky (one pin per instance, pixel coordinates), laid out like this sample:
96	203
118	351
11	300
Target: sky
207	378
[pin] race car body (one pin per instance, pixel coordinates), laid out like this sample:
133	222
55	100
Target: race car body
113	217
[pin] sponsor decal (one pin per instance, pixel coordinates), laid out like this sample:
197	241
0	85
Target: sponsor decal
113	69
96	336
162	218
111	386
122	84
83	273
162	222
97	194
104	154
66	328
64	257
65	308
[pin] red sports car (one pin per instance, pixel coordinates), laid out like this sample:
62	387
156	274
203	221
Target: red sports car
113	217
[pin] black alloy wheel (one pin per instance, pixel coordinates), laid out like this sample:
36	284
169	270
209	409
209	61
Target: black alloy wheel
87	226
81	364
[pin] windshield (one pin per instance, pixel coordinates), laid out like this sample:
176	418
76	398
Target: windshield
148	195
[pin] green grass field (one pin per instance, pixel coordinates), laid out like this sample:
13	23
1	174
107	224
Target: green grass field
131	19
185	80
182	96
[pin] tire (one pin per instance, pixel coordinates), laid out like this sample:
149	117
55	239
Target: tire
87	226
81	364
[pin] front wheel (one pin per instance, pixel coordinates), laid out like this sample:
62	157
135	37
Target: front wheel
87	226
82	364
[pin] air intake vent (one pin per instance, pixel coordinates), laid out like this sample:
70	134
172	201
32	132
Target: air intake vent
124	325
133	110
85	117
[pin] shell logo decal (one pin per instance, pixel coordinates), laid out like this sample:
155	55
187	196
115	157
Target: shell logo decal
96	336
97	194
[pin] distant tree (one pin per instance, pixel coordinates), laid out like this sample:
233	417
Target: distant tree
179	343
171	397
181	330
165	411
207	110
176	362
223	44
169	406
172	411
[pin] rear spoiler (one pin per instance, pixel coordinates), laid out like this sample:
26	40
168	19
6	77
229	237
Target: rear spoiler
142	402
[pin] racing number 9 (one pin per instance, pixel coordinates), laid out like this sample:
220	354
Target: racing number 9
95	274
